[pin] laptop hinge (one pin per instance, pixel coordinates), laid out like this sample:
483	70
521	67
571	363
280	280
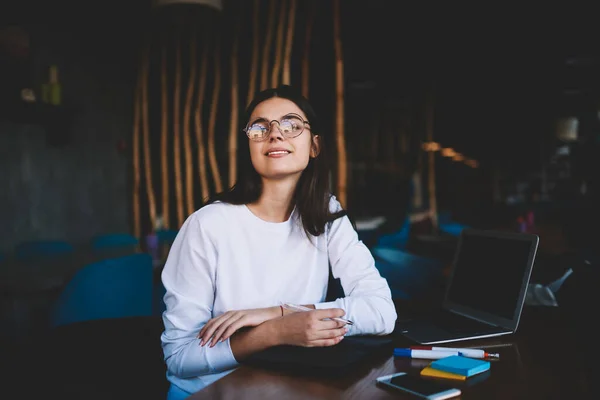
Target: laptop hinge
477	319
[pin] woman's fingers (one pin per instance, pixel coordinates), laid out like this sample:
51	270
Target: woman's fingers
331	333
233	328
222	327
210	323
212	326
328	337
331	324
325	342
325	335
324	313
203	330
210	331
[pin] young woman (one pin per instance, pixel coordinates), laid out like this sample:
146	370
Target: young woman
271	239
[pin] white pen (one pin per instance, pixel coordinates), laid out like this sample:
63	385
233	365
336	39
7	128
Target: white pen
472	353
294	307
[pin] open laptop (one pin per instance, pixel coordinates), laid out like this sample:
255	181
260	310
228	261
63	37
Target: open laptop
485	291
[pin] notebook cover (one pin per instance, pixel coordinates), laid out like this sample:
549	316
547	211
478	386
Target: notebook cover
332	361
461	365
436	373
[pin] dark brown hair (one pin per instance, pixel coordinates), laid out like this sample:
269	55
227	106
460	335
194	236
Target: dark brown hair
313	192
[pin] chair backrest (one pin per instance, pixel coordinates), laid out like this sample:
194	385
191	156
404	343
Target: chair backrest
449	226
398	239
166	235
114	240
165	239
452	228
407	273
159	294
111	288
42	248
444	216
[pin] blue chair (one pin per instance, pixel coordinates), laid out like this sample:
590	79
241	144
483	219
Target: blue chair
408	275
444	217
159	304
165	239
114	241
111	288
448	226
368	237
452	228
397	240
37	249
166	236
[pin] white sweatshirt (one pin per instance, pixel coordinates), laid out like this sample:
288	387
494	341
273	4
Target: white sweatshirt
226	258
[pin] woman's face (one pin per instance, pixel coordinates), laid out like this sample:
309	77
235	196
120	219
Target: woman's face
279	157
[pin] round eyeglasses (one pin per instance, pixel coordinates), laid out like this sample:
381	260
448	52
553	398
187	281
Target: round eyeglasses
290	126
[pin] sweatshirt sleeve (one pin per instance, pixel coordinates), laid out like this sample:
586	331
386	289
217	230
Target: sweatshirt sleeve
368	302
189	279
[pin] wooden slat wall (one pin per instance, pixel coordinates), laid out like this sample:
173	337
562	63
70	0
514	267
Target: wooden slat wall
197	80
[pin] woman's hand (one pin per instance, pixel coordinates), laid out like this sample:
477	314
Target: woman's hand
308	328
222	327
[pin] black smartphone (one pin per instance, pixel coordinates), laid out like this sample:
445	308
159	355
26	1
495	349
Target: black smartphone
418	386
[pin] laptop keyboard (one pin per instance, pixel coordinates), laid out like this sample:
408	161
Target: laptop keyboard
458	324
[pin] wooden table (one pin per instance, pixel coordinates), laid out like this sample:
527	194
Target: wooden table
534	364
115	358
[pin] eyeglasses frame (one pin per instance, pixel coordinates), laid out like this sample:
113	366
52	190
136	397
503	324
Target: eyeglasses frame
305	125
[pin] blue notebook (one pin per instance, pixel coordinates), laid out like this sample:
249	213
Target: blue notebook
461	365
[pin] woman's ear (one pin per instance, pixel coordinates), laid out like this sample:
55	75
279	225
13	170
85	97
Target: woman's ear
315	147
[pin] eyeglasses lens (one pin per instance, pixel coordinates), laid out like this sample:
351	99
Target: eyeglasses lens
289	126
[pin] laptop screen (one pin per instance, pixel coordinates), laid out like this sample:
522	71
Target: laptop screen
491	272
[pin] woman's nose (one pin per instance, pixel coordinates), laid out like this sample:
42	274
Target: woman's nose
274	132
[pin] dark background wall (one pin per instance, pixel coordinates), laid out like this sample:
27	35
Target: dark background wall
81	188
500	80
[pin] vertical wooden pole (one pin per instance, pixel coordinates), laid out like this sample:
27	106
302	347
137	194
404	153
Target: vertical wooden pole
164	134
233	119
212	155
187	143
496	187
264	80
137	98
198	123
374	137
431	164
416	145
306	55
289	41
417	200
146	140
275	73
255	52
390	133
339	114
176	132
